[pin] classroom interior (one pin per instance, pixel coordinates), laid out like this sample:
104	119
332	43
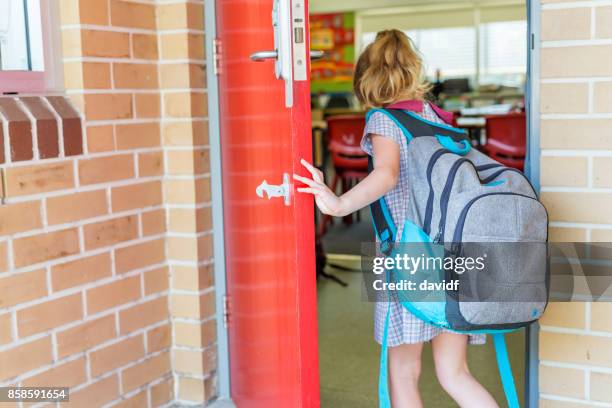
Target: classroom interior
475	55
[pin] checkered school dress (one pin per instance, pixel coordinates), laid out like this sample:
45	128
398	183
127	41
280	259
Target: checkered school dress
404	327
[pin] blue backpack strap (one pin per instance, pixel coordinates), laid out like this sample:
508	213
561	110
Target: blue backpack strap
384	227
505	370
383	375
392	114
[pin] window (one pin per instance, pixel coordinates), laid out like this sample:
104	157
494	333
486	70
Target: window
501	49
451	50
26	45
503	52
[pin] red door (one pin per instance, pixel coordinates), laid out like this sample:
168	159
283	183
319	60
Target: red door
269	243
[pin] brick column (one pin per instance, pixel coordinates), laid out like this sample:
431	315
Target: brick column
187	197
576	338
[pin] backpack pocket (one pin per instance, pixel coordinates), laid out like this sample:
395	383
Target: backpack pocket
509	230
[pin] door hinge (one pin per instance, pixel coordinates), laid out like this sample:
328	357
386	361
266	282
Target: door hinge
225	311
216	56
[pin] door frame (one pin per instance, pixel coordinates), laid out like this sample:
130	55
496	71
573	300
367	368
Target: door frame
532	170
216	187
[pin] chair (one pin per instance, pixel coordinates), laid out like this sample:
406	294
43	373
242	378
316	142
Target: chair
507	139
350	162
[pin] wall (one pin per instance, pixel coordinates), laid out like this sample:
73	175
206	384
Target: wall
105	252
576	139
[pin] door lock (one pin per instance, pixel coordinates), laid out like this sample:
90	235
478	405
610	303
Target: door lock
272	190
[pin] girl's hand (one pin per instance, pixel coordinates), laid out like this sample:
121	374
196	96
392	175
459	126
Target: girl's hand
328	202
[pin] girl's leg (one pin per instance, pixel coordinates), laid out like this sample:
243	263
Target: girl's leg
404	371
450	358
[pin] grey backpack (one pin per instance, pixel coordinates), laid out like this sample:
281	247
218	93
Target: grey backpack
471	206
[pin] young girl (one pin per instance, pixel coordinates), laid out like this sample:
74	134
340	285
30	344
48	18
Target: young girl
389	74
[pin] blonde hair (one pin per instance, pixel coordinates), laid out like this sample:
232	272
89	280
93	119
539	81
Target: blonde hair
388	69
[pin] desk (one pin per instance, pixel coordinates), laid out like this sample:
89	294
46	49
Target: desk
474	126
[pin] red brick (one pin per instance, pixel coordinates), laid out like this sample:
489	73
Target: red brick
5	328
45	246
46	127
110	232
69	374
25	357
81	271
144	46
162	393
48	315
76	206
150	164
133	15
3	256
134	196
137	135
159	338
156	281
144	314
19	130
22	287
98	43
135	76
116	355
20	217
100	139
97	394
39	178
86	336
154	222
106	169
108	106
113	294
72	130
145	372
139	255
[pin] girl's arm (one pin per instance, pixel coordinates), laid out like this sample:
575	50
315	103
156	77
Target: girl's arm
381	180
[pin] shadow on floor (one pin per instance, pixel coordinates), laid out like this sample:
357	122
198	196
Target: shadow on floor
349	356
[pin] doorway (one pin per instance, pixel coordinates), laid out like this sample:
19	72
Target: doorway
476	56
353	383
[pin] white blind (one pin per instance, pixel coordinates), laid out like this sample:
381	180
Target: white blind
503	49
452	50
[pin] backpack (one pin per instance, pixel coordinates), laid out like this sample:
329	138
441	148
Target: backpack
459	198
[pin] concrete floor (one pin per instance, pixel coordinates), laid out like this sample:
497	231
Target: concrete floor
349	356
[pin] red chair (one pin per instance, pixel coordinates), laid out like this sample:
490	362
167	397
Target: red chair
507	139
350	162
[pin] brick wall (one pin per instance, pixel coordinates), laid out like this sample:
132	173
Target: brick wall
187	196
576	139
105	252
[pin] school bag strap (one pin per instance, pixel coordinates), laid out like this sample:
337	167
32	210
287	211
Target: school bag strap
411	125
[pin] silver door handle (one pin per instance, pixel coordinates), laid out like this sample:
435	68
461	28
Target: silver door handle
316	54
264	55
272	190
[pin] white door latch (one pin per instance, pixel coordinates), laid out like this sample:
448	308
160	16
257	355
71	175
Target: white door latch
272	190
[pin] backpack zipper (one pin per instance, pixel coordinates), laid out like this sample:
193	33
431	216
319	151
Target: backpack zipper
430	198
429	207
444	197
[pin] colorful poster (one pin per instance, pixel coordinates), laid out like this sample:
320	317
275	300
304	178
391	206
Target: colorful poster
334	34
